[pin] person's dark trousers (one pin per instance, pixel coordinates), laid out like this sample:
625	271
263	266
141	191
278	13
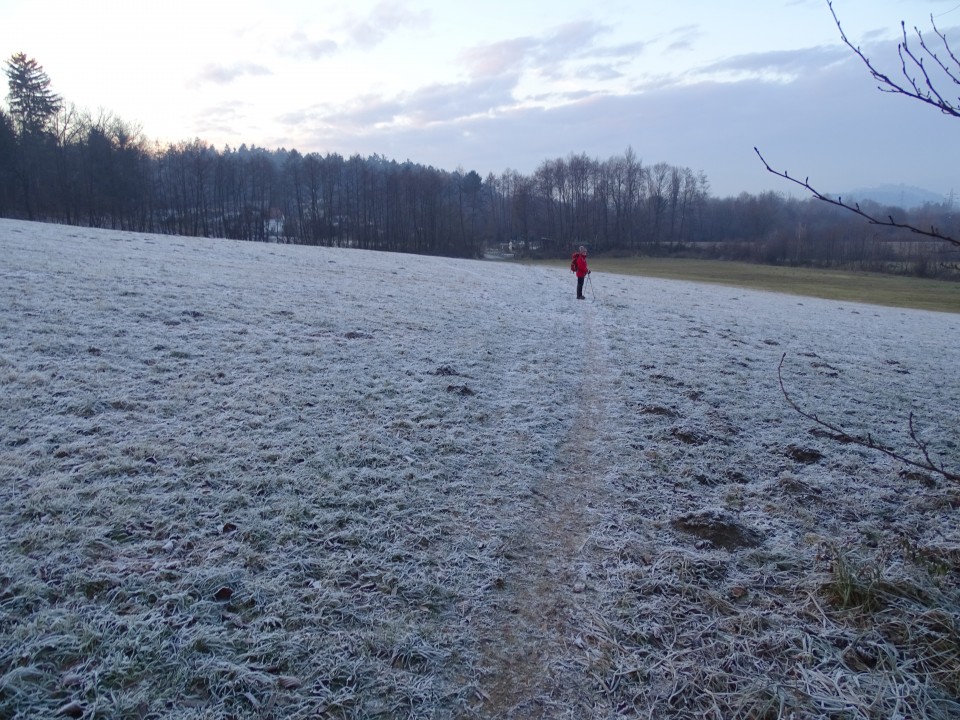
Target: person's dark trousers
579	287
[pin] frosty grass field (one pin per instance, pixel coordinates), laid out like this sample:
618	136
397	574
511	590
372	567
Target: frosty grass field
257	481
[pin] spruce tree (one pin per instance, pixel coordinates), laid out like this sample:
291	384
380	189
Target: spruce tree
32	103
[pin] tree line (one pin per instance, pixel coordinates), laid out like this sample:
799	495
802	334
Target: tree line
61	164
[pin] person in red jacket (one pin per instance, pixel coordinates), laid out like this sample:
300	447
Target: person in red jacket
579	265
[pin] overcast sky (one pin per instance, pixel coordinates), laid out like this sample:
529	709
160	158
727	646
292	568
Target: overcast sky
505	84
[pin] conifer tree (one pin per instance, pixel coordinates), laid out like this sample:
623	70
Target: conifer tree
32	103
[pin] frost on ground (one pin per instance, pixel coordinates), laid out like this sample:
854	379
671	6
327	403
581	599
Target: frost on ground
248	480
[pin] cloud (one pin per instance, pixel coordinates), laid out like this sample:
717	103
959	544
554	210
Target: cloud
221	118
385	19
600	72
362	114
428	106
626	50
575	52
301	46
452	102
570	50
571	40
783	63
506	57
682	38
226	74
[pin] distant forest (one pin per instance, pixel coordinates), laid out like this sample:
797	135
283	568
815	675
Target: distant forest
60	164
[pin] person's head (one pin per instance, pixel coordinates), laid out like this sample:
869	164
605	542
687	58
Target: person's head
583	250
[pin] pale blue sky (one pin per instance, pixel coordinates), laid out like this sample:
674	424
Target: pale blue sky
493	85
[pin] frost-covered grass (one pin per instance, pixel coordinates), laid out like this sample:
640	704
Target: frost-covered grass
829	284
248	480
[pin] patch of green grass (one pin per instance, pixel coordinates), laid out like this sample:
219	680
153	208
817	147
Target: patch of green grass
852	586
871	288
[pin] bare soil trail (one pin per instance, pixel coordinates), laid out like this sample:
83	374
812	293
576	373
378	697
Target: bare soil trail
549	638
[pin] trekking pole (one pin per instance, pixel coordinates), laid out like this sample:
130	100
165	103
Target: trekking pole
592	291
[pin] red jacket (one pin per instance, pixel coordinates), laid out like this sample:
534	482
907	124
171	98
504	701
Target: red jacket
579	265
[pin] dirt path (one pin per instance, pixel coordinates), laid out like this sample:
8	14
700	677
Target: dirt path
548	644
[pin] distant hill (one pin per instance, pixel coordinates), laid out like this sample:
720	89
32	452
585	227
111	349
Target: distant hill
904	196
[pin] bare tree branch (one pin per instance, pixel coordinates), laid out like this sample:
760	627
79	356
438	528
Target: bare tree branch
933	232
841	435
926	91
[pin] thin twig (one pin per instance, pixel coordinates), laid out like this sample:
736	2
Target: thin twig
842	435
